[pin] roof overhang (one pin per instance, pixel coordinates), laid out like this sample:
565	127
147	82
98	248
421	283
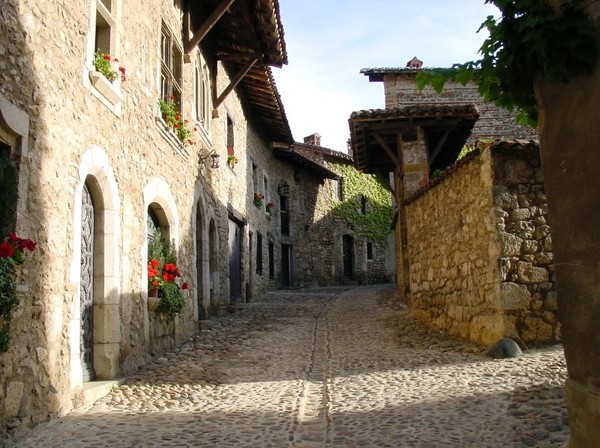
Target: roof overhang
248	37
298	158
377	135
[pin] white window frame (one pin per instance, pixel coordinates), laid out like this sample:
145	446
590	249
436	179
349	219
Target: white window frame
105	16
202	100
171	66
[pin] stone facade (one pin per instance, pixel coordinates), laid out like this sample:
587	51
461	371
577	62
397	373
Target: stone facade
483	269
354	208
73	132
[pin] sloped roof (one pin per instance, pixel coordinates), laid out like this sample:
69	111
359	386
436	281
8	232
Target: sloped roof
446	126
308	157
251	29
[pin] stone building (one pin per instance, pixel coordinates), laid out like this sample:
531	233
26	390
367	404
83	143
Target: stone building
347	238
401	90
473	248
125	120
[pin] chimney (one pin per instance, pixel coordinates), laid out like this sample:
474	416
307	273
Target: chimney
414	63
314	139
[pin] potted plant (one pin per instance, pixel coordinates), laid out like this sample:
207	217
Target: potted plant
269	207
175	121
258	199
164	277
231	158
103	62
11	254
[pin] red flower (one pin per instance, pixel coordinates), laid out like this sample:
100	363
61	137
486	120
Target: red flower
13	237
190	142
106	57
155	283
154	263
171	97
116	60
184	286
229	151
6	250
177	117
165	277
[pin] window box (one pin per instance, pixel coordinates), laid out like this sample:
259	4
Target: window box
105	87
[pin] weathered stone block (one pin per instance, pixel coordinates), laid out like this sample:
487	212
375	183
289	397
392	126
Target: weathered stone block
521	214
510	244
530	246
14	396
544	258
505	348
514	296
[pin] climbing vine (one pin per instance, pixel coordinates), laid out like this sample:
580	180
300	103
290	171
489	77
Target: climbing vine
375	224
530	41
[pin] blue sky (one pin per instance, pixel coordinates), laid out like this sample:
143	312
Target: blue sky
329	41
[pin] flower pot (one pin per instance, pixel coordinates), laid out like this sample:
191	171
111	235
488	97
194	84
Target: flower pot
153	303
153	292
105	87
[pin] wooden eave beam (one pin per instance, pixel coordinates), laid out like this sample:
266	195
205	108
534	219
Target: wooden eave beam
393	157
201	32
438	148
234	82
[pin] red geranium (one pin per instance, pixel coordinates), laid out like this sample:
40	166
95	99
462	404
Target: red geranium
158	276
13	247
6	250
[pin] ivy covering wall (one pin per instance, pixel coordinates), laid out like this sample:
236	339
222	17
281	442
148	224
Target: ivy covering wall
374	224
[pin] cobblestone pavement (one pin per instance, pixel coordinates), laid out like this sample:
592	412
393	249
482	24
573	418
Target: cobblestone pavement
327	367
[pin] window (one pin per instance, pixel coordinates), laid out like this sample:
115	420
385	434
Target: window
285	215
259	254
339	189
266	189
254	178
271	260
9	175
201	97
369	251
363	205
230	137
105	27
171	60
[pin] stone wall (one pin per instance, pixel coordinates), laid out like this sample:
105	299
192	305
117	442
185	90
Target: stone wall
528	292
480	250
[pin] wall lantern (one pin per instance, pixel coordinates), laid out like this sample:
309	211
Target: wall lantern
283	188
214	159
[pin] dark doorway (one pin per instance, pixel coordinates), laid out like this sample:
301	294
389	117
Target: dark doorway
286	265
235	261
348	256
202	313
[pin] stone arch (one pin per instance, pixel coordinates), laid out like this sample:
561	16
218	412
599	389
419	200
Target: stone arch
97	176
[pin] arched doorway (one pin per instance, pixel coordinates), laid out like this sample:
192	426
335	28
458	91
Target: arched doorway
200	265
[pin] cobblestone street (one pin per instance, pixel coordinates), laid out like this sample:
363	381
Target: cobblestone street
326	367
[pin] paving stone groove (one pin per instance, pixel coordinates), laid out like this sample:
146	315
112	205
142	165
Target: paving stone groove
328	368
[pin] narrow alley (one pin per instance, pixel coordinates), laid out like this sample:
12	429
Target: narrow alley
326	367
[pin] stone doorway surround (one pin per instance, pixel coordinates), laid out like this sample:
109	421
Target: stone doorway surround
96	173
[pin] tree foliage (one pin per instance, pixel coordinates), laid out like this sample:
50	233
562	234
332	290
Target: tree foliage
530	41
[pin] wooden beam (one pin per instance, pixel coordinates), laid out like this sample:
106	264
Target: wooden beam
201	32
393	157
235	81
439	147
